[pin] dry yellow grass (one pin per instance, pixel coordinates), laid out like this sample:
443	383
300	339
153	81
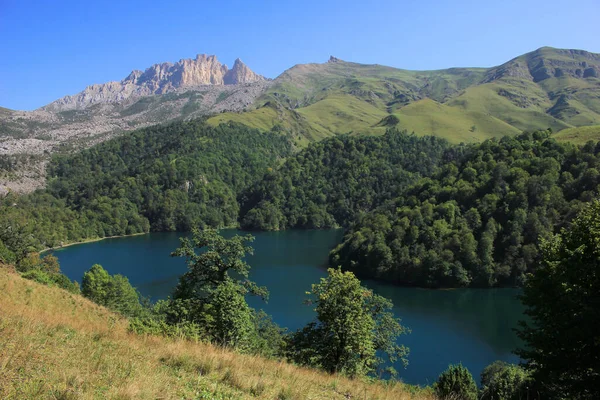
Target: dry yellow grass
54	345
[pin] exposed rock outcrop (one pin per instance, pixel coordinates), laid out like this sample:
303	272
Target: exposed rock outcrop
159	79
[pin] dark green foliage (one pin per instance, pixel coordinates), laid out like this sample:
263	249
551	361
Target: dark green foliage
478	219
46	271
269	338
6	255
562	298
211	295
112	291
231	317
164	178
456	383
15	242
331	183
175	176
352	325
503	381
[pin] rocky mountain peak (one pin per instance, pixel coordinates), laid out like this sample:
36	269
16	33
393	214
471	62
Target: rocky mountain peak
240	73
159	79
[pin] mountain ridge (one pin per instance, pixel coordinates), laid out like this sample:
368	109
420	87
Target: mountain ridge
159	78
548	87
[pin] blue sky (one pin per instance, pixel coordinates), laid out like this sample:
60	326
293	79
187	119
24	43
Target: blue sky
51	48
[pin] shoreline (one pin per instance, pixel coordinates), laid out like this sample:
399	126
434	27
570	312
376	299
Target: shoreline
90	241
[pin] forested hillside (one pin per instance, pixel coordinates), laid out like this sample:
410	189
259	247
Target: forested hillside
479	220
164	178
419	211
331	183
422	212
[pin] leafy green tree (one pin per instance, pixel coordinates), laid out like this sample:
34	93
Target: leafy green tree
269	338
15	243
456	383
212	292
114	292
352	325
232	323
562	300
213	260
503	381
94	284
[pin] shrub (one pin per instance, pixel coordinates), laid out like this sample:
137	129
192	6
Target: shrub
502	381
6	256
114	292
38	276
456	383
51	279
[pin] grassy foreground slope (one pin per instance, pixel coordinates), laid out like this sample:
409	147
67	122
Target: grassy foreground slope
546	88
55	345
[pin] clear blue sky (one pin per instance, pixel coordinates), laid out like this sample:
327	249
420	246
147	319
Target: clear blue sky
51	48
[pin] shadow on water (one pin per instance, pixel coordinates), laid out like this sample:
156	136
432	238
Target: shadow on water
472	326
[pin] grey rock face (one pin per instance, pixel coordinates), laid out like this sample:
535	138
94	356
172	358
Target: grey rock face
159	79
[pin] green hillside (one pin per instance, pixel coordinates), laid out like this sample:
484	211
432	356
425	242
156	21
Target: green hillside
579	135
547	88
58	345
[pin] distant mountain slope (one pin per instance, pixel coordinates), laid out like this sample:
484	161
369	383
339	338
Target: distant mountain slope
546	88
579	135
190	88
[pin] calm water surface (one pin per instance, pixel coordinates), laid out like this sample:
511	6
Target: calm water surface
472	326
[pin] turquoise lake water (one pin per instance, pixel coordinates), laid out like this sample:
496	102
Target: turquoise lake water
472	326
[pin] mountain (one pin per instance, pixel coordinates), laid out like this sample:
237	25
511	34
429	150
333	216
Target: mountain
190	88
160	79
545	88
556	88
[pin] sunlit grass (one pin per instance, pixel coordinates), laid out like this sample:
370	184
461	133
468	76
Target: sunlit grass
54	345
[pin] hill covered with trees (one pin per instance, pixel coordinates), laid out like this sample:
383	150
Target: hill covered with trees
165	178
417	210
421	212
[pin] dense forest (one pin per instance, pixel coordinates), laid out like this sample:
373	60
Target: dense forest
164	178
417	210
421	212
332	182
479	219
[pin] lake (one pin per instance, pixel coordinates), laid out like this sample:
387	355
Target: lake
472	326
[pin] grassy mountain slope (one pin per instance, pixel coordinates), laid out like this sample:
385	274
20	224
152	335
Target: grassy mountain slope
579	135
55	345
546	88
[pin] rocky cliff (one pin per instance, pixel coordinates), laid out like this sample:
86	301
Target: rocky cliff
159	79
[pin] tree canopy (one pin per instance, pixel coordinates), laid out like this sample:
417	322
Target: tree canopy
353	330
562	337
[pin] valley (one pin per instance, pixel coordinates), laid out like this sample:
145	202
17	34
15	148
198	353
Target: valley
441	226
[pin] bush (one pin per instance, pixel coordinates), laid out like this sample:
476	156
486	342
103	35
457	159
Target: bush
502	381
6	256
114	292
51	279
38	276
456	383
